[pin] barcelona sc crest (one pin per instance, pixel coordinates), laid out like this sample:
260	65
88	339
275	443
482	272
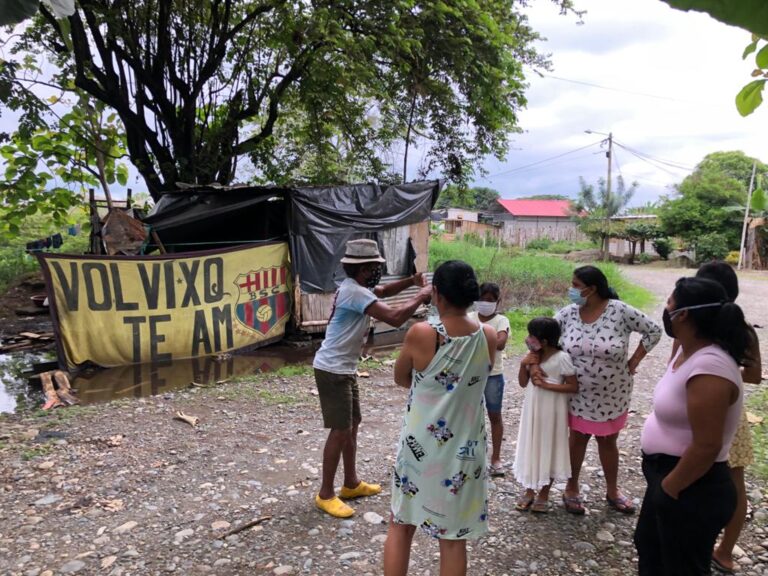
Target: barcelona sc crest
263	299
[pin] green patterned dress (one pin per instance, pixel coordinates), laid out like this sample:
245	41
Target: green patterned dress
439	481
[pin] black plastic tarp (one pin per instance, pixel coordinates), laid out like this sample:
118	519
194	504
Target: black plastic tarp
317	220
322	219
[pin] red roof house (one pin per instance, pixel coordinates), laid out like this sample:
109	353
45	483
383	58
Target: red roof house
525	220
540	208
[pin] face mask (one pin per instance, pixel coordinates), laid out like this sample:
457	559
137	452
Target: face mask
485	308
574	294
374	279
666	316
533	343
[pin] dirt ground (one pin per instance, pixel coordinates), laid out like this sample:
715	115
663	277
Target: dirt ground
125	489
18	298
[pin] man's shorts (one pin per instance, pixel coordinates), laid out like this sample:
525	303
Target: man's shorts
339	399
494	393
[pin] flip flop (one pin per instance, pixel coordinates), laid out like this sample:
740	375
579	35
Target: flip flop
496	471
720	569
524	503
540	506
574	505
621	504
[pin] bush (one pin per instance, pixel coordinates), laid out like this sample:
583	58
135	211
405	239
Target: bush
644	258
663	247
732	258
711	246
539	244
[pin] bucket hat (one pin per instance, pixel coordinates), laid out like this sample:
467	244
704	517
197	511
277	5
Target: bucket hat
362	251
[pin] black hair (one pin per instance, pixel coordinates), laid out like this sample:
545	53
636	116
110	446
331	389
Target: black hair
723	274
544	328
593	276
724	325
455	281
490	288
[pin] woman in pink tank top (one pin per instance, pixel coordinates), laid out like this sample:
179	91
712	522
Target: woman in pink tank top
696	407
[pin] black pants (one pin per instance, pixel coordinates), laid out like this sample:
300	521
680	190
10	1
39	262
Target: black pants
676	537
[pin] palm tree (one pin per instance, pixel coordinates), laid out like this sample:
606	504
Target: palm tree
594	208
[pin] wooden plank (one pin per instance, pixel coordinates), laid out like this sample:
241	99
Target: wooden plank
65	390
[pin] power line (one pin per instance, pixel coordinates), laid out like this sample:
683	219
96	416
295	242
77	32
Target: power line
518	168
658	167
671	163
643	94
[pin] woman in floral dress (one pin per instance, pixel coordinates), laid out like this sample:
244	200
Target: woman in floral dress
439	481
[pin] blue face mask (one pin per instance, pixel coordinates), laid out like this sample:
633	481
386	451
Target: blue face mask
574	294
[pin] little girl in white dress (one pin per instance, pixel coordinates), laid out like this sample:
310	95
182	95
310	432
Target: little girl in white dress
542	442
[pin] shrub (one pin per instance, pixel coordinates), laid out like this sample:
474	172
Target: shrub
711	246
539	244
732	258
663	247
644	258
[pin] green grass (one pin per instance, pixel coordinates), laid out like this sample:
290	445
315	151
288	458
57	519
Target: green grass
531	279
518	323
272	397
291	370
758	404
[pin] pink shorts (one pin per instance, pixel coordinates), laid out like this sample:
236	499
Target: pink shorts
608	428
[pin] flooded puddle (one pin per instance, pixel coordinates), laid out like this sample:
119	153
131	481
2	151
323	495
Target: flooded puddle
19	392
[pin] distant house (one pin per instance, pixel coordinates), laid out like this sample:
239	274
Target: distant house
458	221
526	220
621	247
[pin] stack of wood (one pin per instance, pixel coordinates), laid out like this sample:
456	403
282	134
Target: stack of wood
25	341
63	396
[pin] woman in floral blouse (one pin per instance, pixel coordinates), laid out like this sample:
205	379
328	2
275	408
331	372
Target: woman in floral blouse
596	330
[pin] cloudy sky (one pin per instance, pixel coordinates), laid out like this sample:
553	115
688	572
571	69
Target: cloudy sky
667	85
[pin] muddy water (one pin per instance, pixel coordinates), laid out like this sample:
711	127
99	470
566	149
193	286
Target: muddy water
18	392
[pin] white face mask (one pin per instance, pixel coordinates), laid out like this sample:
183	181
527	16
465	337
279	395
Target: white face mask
485	308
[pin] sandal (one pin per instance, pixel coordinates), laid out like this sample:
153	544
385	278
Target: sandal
524	503
621	504
574	505
496	471
540	506
719	568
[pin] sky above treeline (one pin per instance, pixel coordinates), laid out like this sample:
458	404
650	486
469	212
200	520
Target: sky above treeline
661	80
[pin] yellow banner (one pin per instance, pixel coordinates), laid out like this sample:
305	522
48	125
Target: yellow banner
117	310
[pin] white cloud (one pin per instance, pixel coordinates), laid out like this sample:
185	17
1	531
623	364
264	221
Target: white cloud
673	77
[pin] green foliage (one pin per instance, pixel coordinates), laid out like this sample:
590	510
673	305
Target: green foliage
638	231
757	403
307	91
732	258
663	247
48	169
751	95
565	247
539	244
594	208
751	15
546	197
711	246
480	198
704	197
645	258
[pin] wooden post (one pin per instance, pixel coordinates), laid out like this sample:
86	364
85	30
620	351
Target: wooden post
746	217
128	201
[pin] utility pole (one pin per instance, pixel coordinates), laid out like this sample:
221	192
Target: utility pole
608	155
742	248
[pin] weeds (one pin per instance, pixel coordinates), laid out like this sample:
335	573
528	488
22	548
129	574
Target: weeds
35	451
758	404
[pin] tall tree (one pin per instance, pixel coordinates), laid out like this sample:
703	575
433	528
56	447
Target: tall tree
699	207
479	198
199	84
